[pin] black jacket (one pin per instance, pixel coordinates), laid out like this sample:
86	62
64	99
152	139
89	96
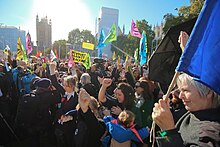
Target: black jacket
200	128
89	130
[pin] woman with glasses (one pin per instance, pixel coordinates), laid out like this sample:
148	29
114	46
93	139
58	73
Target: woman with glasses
144	102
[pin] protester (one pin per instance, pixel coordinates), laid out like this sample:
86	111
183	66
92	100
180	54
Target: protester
123	131
144	102
88	129
64	132
33	120
85	82
124	99
200	126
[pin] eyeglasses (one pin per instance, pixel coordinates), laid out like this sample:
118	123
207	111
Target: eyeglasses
136	86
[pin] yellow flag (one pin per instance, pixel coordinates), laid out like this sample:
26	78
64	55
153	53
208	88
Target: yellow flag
87	45
5	52
126	58
87	62
113	56
20	52
119	60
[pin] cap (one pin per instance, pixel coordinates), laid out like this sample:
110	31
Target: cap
43	83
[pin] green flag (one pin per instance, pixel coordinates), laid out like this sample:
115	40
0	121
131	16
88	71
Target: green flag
112	35
87	62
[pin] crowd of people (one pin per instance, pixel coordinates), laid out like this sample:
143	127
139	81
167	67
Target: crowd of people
46	103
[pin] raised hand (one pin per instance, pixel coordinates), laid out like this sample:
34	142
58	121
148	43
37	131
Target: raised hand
106	82
84	100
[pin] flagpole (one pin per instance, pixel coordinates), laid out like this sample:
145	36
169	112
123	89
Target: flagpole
172	85
121	51
59	51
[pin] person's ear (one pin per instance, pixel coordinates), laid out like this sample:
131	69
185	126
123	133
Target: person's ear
210	94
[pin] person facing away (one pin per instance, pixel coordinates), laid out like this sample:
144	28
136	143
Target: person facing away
123	131
200	126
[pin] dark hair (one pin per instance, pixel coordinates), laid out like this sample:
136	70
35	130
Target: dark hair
129	96
146	93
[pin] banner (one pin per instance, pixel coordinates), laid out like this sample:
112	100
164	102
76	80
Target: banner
87	45
79	56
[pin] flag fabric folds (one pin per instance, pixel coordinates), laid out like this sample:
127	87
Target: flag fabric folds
28	44
101	39
52	56
71	62
143	49
119	60
101	43
134	30
87	62
38	54
21	53
114	56
136	55
56	53
200	58
112	36
100	52
7	48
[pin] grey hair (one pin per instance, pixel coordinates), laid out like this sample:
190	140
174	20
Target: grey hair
70	80
201	88
85	79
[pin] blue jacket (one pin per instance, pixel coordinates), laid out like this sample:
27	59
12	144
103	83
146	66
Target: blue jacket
22	82
121	134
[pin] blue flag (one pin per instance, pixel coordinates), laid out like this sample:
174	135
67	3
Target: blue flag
101	39
143	51
101	42
200	58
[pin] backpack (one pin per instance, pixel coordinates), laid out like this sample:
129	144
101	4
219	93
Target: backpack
28	110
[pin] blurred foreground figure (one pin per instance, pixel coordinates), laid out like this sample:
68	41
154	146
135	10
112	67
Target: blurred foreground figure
200	126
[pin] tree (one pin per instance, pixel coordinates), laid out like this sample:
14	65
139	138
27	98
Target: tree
77	37
74	36
87	36
184	13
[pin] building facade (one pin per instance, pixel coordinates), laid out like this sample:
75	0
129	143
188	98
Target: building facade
158	30
107	17
44	33
9	36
